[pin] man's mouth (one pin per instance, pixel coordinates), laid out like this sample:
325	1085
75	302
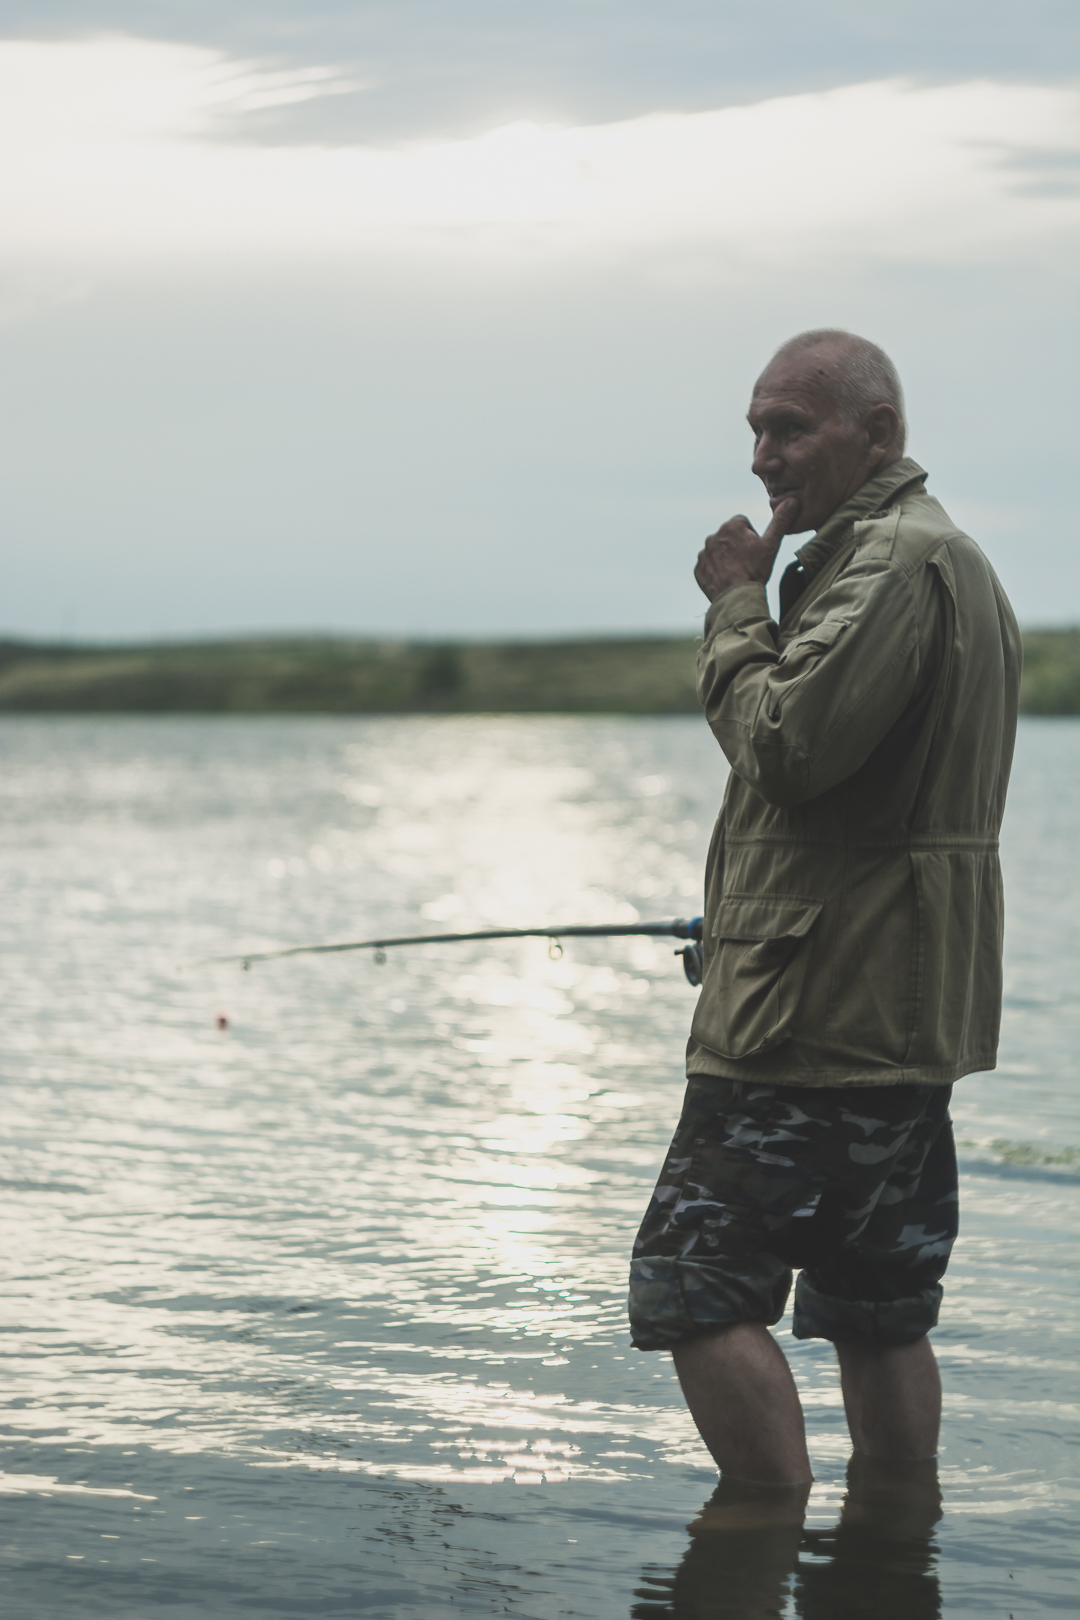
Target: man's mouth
776	496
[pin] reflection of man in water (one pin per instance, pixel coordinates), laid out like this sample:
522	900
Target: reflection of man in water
879	1560
852	933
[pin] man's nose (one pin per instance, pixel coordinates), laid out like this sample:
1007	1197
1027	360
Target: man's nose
767	457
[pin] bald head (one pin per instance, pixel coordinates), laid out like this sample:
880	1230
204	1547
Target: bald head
827	414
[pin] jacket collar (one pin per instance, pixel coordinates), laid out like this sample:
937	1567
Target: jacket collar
873	496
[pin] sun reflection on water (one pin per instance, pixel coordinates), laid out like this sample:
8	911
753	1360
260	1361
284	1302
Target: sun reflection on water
378	1226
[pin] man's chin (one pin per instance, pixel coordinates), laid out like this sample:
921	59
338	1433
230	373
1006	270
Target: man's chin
794	522
797	523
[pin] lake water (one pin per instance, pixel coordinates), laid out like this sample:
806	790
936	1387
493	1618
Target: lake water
323	1314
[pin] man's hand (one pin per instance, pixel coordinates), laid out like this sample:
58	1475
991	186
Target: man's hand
737	555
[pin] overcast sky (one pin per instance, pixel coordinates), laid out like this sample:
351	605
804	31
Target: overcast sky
440	317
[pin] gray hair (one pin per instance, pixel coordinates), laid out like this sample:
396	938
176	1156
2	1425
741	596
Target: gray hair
865	376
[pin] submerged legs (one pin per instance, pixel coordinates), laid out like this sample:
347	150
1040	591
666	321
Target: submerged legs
742	1396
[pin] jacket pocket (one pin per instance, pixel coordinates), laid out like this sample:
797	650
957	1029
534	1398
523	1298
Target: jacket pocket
756	971
801	655
813	642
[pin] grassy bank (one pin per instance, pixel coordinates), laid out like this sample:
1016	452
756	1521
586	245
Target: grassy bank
1051	681
641	675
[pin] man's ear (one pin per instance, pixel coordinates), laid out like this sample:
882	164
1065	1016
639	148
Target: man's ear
882	431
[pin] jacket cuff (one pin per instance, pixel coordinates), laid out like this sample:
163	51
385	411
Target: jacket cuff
736	604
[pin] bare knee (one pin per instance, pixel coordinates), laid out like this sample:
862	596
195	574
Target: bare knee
876	1360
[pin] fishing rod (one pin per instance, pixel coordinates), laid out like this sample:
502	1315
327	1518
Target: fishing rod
680	928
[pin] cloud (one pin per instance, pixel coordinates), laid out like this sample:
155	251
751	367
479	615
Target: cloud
120	150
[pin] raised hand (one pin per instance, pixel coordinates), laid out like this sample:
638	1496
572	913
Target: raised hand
737	555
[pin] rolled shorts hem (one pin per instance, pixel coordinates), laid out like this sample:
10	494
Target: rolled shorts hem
675	1300
845	1321
672	1301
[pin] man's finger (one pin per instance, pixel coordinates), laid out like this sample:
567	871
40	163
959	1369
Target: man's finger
782	515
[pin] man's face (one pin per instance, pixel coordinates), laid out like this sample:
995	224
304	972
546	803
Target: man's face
801	446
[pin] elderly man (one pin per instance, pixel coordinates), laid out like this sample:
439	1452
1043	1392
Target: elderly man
853	929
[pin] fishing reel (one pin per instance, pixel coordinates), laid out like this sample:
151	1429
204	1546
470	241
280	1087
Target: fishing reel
692	953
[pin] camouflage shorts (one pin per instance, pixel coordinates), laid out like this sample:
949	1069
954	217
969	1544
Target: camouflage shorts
854	1187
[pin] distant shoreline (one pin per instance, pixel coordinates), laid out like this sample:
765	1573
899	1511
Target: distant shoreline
327	675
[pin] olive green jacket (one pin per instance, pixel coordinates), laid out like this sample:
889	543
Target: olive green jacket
853	904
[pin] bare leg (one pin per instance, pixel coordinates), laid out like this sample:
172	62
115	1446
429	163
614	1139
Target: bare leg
743	1399
892	1397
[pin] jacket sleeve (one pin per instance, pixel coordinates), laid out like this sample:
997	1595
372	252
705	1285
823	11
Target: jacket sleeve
795	721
